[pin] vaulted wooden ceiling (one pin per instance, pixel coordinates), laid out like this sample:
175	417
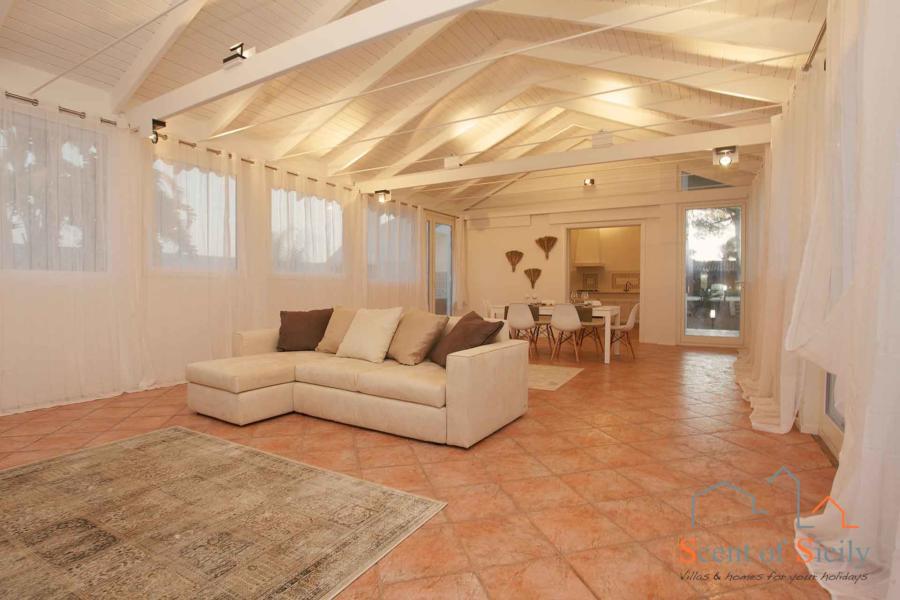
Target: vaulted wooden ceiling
677	67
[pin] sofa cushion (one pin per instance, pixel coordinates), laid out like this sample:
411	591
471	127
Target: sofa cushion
337	329
302	330
424	383
370	334
416	335
242	373
469	332
336	372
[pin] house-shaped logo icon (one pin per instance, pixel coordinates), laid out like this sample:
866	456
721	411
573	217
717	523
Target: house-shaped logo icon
754	509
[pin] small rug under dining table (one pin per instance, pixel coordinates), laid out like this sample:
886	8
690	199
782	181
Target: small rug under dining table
179	514
550	377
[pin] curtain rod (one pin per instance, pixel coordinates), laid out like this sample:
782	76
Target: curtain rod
162	136
815	47
70	111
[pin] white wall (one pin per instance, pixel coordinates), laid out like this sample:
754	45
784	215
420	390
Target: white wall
490	236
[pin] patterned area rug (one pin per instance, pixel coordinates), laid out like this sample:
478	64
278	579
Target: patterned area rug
178	514
549	377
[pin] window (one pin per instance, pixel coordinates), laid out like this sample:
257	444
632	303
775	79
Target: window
53	190
689	182
195	218
307	233
392	233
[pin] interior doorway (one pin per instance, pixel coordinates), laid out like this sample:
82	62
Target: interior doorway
605	266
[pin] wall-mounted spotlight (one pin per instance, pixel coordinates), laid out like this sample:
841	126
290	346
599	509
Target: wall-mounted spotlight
725	156
588	181
155	135
383	196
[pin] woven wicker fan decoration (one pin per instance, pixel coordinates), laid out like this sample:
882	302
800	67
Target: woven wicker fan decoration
546	244
532	275
514	256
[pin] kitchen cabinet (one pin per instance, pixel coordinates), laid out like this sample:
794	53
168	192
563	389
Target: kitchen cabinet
586	248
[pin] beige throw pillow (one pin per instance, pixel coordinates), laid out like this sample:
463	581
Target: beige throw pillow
370	334
416	335
336	330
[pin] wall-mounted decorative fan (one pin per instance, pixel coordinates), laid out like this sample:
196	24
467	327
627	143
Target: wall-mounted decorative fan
532	275
514	256
546	244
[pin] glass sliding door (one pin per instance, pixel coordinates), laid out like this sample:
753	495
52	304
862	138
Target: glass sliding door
713	274
439	241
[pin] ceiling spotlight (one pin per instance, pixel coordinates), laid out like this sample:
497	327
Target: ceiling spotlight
383	196
155	136
588	181
237	52
725	156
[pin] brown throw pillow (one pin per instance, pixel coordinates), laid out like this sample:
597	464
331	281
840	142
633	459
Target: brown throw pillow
302	330
415	337
469	332
337	329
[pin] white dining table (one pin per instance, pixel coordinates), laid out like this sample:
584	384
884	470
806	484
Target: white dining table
611	315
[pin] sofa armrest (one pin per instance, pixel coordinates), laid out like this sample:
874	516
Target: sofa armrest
254	341
487	388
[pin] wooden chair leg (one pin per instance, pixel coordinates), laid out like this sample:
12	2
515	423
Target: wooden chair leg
630	347
576	341
596	336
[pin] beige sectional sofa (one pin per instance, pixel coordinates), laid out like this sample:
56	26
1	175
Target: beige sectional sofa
481	390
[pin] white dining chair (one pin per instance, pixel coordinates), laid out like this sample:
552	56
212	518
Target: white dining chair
521	321
566	325
622	332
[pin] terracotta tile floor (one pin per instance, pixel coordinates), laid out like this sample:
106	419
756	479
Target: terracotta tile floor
585	496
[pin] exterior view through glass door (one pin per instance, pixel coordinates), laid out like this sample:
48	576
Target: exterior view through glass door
439	244
713	273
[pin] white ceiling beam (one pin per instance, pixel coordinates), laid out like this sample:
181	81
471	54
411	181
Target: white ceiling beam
379	20
705	23
731	83
536	125
628	116
576	200
539	139
233	106
231	109
472	203
438	138
415	40
692	142
351	153
166	34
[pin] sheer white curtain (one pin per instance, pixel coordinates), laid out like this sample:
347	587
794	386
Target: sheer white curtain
69	241
196	268
316	244
395	257
783	194
845	316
